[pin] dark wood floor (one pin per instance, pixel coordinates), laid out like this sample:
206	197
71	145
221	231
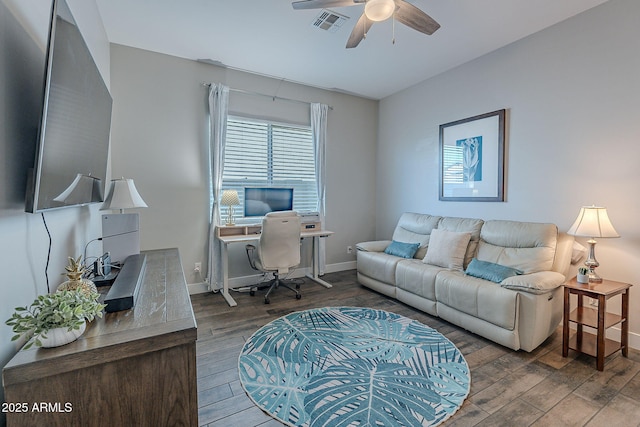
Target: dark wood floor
508	388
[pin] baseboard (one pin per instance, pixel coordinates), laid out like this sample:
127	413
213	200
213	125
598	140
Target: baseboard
341	266
238	282
614	333
198	288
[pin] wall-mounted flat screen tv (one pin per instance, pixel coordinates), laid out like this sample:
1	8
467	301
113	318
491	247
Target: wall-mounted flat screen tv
70	167
261	201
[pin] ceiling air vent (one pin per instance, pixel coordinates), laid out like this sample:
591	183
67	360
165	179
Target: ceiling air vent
329	21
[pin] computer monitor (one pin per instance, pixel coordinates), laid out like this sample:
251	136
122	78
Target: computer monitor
260	201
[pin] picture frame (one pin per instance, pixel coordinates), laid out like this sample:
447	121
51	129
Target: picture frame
472	158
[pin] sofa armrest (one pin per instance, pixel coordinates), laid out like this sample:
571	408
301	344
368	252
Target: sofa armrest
374	246
534	283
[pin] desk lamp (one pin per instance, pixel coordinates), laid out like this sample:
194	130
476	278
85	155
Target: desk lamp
230	198
593	222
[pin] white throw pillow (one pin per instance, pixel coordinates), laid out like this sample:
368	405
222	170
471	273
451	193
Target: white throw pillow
447	248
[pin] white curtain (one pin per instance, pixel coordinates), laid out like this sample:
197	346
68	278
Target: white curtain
218	111
319	114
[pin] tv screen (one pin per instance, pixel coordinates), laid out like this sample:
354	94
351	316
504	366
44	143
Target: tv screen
73	143
261	201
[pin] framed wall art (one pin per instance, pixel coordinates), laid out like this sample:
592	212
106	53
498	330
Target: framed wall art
472	158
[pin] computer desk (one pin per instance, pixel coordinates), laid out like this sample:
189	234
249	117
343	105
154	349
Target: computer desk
252	236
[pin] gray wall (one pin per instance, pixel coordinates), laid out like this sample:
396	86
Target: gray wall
571	92
159	134
24	25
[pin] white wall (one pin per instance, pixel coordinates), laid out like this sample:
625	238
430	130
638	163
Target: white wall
24	26
571	92
159	139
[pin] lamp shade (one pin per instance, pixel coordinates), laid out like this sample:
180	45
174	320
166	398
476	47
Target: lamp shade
83	189
593	222
379	10
123	195
229	198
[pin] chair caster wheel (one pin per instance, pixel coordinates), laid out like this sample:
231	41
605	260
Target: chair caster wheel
298	296
297	287
266	301
252	293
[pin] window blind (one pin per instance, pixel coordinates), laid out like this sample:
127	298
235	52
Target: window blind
267	154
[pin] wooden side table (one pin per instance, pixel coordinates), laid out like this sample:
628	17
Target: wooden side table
598	319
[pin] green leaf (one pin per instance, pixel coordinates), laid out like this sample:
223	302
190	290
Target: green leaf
66	309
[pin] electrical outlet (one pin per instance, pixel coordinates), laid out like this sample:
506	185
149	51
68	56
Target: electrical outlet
198	267
349	249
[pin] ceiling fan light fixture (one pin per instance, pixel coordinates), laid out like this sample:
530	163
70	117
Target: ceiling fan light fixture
379	10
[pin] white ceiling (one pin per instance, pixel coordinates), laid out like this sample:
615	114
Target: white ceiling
268	37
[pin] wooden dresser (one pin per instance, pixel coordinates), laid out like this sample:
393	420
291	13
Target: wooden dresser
131	368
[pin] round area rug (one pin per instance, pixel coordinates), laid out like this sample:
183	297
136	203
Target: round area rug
350	366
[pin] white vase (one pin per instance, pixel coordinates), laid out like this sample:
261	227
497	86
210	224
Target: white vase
61	336
582	278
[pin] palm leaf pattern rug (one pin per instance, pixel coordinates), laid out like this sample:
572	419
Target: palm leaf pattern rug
351	366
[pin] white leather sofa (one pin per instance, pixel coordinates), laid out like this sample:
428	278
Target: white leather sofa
519	312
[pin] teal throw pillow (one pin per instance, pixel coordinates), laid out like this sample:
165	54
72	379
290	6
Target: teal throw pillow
490	271
401	249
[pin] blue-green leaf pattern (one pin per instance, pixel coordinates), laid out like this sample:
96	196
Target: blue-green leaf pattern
351	366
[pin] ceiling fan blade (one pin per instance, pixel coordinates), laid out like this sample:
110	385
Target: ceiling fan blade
321	4
413	17
359	31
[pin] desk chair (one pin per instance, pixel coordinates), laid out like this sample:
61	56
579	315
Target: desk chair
278	250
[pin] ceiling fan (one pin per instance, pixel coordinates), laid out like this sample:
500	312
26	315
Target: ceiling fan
376	11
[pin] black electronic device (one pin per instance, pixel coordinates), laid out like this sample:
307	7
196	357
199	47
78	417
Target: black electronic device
104	272
70	166
261	201
124	291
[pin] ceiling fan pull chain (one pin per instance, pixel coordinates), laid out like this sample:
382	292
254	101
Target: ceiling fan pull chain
364	29
393	28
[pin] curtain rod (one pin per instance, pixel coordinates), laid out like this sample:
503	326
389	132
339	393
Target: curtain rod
273	97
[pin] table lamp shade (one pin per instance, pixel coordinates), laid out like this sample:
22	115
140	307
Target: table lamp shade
123	195
593	221
229	198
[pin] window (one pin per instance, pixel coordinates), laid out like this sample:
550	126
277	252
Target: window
265	154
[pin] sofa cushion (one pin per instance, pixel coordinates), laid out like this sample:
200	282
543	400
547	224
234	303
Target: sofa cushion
490	271
478	298
564	254
402	249
471	225
417	278
416	228
527	246
447	248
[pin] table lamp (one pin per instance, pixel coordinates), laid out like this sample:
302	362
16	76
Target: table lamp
230	199
123	195
593	222
121	232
